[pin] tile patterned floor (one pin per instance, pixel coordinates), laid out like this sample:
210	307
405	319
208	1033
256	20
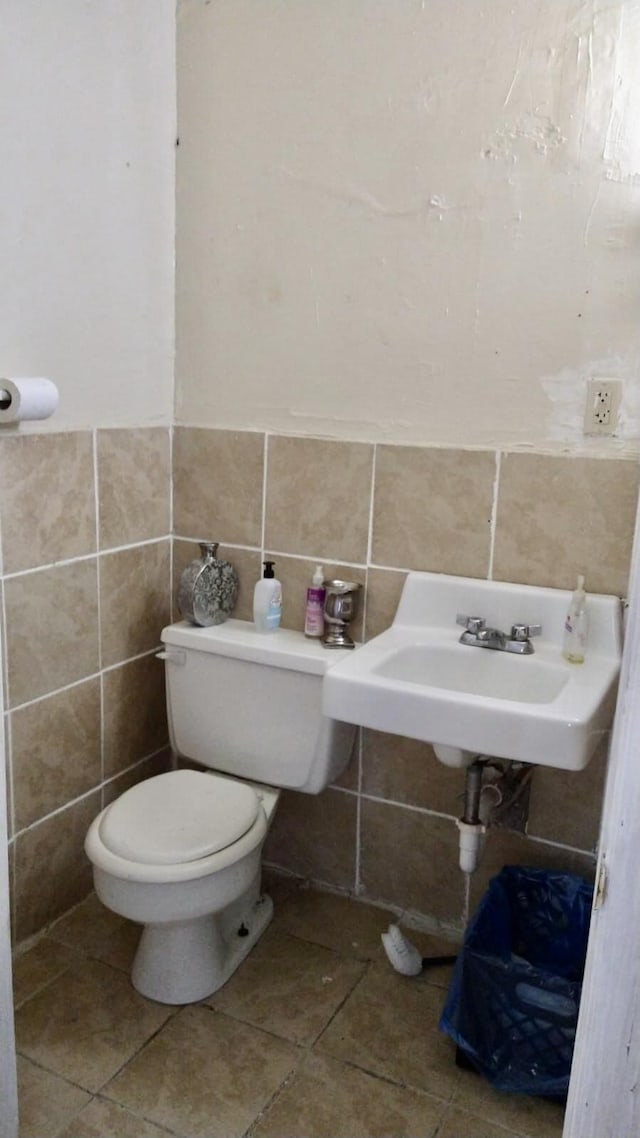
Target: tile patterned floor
314	1036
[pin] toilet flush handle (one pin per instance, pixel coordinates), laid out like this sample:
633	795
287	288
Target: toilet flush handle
173	656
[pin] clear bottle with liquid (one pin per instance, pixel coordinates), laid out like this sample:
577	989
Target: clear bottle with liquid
576	626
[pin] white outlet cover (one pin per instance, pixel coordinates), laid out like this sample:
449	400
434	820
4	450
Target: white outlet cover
602	406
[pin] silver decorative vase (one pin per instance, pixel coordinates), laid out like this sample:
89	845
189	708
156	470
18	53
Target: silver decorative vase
208	588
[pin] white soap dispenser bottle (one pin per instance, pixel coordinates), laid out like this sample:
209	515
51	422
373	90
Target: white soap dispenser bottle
576	626
267	600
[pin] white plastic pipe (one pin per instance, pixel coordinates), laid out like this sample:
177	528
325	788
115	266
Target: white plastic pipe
471	835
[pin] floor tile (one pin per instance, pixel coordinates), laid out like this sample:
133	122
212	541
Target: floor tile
289	987
102	1119
388	1026
87	926
47	1102
86	1024
34	969
204	1075
335	921
325	1099
522	1114
379	1065
460	1124
99	933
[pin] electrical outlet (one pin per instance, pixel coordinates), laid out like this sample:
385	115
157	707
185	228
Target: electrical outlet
603	404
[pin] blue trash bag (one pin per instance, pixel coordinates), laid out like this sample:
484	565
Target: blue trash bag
512	1005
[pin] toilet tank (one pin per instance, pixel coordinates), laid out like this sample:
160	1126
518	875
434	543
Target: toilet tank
250	704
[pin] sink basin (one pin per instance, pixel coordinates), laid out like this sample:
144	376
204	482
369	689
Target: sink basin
416	679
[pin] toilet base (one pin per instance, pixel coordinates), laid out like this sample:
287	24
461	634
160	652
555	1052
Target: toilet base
184	962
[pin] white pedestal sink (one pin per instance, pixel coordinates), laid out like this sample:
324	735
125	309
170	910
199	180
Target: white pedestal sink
417	679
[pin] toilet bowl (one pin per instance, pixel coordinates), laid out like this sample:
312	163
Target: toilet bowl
181	852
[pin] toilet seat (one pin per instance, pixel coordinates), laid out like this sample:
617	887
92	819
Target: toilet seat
178	817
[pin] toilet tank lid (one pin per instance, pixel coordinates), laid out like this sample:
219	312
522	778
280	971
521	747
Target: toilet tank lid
280	648
178	817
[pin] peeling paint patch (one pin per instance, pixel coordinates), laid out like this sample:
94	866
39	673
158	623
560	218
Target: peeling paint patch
538	129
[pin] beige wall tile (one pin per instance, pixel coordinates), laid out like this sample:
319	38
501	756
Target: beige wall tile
246	562
432	509
134	600
383	595
405	770
314	835
503	847
350	777
218	485
48	499
565	806
135	714
148	768
56	753
318	495
559	516
52	872
52	629
133	485
11	851
8	804
410	859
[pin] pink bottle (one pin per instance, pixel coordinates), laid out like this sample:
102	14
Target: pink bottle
314	612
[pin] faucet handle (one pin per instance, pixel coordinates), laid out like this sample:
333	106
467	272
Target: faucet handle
522	632
474	624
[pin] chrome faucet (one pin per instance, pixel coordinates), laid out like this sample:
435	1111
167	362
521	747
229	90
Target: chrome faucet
478	635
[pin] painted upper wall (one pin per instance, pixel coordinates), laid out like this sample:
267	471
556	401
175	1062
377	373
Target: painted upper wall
412	221
87	124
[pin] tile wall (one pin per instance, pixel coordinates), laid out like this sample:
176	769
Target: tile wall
86	587
86	560
386	830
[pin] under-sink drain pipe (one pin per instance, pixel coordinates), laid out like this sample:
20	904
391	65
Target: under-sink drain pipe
471	827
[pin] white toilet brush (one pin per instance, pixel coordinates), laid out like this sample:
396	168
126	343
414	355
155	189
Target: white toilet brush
404	956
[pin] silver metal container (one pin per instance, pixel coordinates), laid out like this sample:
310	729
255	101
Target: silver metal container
340	608
208	587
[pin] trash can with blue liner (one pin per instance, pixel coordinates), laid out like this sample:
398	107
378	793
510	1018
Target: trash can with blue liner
512	1005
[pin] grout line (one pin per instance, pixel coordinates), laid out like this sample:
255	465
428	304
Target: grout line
96	492
404	805
85	557
358	882
365	599
85	679
265	470
88	793
494	515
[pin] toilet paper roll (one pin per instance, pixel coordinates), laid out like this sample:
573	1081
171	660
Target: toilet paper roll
27	399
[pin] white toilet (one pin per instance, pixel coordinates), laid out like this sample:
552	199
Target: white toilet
181	852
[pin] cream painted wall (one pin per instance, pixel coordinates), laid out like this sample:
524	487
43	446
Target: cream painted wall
87	123
411	220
